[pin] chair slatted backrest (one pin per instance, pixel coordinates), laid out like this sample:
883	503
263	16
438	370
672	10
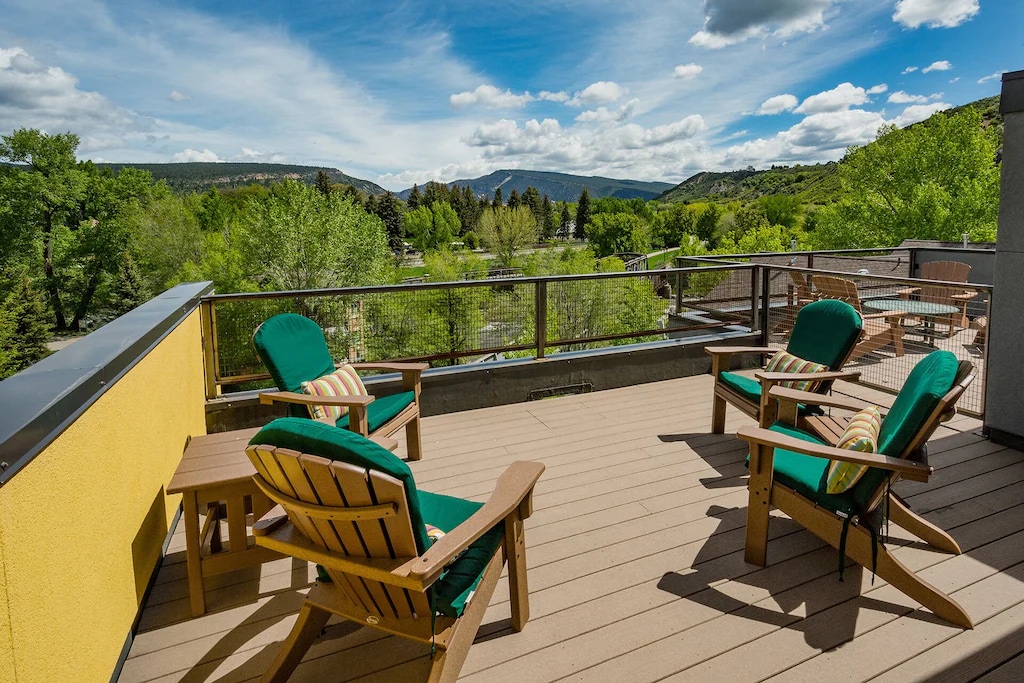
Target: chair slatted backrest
312	490
804	286
831	287
946	271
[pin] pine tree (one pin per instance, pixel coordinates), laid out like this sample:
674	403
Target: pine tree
389	210
582	214
497	198
323	183
30	326
513	199
547	218
415	199
130	291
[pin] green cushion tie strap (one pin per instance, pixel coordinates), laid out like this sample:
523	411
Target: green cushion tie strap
847	519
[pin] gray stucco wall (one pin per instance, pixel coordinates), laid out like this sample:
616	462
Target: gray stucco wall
1004	416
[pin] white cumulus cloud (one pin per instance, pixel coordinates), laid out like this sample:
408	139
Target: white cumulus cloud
195	155
843	96
601	92
687	71
934	13
490	96
941	65
991	77
900	97
877	89
909	70
777	104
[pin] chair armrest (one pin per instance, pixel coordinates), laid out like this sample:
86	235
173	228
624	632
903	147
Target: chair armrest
270	397
811	398
514	487
884	314
907	292
908	469
394	367
774	377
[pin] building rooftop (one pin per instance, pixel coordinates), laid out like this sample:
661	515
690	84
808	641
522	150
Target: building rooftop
636	570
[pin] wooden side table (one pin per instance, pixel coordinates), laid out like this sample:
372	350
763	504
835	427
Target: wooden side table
215	476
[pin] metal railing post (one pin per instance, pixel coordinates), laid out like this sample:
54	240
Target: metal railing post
766	300
209	332
754	309
541	316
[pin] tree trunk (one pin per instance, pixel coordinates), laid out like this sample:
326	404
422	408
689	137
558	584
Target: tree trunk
60	321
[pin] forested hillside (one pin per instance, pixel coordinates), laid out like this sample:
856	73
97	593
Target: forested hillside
815	184
559	187
197	176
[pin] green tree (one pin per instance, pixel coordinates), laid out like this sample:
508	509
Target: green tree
610	233
433	227
782	209
300	239
323	183
389	210
707	217
42	194
25	327
131	289
933	180
547	219
413	202
497	198
582	214
506	230
672	225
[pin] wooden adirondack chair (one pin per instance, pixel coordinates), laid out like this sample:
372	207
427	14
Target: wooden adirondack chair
825	332
789	467
880	329
945	271
353	508
294	350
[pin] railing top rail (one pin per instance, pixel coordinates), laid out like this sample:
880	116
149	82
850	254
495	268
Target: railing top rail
839	252
383	289
916	281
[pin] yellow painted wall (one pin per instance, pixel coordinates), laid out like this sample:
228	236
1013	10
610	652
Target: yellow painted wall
81	527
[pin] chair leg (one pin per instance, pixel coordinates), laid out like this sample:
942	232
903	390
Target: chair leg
895	573
718	415
901	515
515	554
307	629
758	504
414	445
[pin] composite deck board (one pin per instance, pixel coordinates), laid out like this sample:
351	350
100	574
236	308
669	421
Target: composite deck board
636	571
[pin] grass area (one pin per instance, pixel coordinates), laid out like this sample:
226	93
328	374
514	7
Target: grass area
657	260
412	271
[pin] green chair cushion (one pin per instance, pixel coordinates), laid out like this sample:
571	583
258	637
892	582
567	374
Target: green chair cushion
452	591
808	475
308	436
746	386
825	331
382	409
750	388
928	382
293	349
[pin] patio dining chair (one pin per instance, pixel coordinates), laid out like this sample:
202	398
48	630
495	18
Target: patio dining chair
295	352
957	297
880	329
829	480
418	565
823	336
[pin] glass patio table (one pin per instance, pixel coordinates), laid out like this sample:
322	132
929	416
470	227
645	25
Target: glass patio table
925	310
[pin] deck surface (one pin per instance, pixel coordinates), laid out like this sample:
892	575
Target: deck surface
636	570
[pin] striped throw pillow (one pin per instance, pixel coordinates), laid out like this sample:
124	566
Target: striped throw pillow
342	382
783	361
860	435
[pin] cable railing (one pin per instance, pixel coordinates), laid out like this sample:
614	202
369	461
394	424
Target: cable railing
479	321
454	323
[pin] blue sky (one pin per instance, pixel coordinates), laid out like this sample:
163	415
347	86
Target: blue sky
404	92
